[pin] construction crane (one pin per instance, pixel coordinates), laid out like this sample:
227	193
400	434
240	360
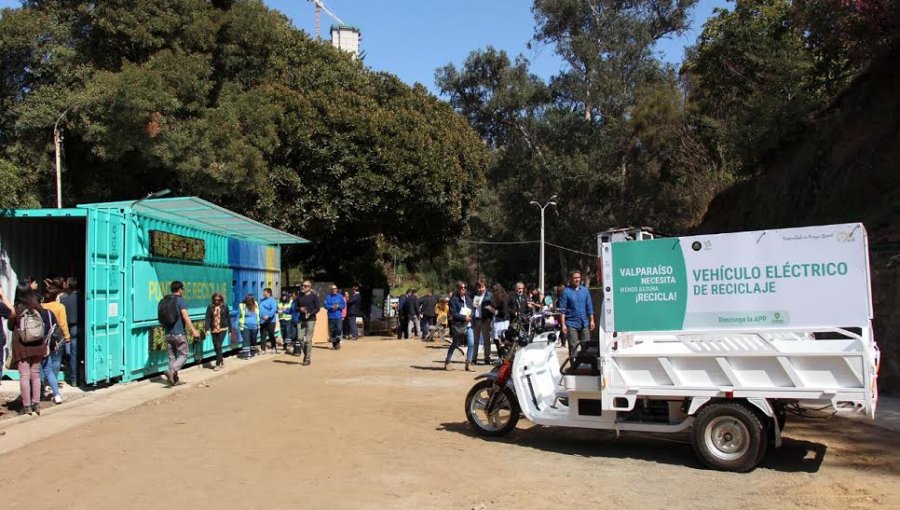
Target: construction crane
320	6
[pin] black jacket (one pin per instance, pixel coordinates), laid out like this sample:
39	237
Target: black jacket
354	305
428	304
311	302
504	308
225	313
411	307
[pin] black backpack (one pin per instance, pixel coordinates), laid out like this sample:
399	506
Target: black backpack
167	311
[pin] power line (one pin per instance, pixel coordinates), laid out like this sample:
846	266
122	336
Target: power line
470	241
573	251
498	242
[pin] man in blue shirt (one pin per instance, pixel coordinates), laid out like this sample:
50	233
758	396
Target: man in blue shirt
577	312
268	314
335	304
176	336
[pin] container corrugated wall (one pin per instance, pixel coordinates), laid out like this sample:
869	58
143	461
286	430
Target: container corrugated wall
109	249
230	266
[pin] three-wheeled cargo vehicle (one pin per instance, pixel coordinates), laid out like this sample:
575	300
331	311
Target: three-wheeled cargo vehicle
711	335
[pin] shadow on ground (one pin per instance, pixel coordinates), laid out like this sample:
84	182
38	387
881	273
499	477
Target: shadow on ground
795	456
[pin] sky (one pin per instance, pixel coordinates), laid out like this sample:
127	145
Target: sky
412	38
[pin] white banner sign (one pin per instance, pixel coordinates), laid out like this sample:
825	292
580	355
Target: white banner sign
790	278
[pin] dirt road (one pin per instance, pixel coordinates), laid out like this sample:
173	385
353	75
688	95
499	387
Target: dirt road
377	425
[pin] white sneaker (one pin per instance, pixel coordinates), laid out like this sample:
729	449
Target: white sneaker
48	391
57	399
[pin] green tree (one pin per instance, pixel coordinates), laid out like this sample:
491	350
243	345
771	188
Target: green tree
228	101
751	74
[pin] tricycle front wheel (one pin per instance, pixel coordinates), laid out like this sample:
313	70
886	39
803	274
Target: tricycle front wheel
504	412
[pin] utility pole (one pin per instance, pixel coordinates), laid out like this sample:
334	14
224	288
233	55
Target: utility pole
541	267
57	141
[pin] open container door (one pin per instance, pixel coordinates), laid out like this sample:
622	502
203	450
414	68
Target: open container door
105	290
25	235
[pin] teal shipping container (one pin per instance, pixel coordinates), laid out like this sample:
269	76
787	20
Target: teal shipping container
126	254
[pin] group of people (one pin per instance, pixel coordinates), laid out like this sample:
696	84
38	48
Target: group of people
260	323
44	324
481	317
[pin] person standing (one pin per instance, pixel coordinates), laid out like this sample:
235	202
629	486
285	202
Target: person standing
27	355
519	301
345	326
307	307
284	318
403	328
412	313
461	325
176	334
218	323
248	323
268	314
442	313
354	310
500	306
429	303
481	322
50	364
577	312
72	301
334	304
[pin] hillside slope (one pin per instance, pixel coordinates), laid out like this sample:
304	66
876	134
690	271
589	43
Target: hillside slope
843	167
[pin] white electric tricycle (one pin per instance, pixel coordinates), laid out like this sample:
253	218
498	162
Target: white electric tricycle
727	387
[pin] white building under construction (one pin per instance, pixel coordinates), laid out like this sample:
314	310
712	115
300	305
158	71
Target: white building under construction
346	37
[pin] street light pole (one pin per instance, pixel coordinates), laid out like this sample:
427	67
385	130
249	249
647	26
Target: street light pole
541	267
57	140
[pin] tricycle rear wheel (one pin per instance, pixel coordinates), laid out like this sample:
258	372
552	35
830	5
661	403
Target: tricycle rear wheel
729	436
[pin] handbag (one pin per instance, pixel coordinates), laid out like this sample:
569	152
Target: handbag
458	328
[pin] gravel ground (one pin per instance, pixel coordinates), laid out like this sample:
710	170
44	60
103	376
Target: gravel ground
378	425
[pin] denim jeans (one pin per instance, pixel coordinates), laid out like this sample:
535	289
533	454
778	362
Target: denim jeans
217	339
71	354
335	330
72	365
470	344
50	369
427	323
351	319
248	344
287	331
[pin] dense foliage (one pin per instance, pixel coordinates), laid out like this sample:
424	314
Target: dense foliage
228	101
625	139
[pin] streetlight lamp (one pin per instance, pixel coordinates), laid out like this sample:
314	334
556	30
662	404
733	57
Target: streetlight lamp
541	269
57	140
155	194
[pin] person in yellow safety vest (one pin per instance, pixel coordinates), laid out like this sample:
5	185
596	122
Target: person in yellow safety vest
248	323
285	312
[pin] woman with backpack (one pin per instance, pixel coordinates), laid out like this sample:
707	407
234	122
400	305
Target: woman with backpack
248	323
50	364
32	326
218	323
